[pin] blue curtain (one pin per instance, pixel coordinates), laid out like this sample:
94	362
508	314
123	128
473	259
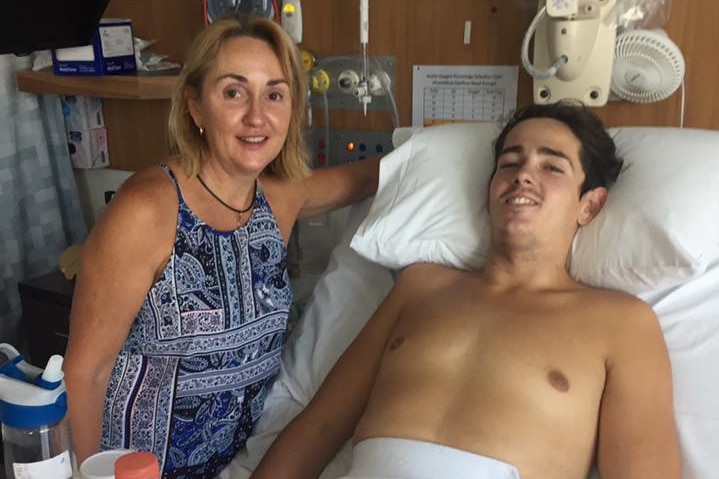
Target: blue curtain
40	211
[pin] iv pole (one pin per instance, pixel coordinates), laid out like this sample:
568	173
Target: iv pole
363	91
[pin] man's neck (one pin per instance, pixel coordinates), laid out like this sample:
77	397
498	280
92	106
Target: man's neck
529	269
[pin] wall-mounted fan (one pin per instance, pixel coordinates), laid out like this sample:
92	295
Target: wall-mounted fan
648	66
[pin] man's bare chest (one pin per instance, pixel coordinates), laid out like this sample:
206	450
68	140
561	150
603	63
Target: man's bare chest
547	353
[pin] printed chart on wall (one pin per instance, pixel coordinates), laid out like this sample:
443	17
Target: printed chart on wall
446	94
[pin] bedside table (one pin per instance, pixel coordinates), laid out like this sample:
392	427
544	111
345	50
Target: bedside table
46	302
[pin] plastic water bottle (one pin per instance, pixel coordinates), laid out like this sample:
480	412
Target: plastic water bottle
33	413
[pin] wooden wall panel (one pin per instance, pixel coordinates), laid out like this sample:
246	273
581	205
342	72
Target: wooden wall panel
695	30
137	132
172	23
430	32
415	32
137	129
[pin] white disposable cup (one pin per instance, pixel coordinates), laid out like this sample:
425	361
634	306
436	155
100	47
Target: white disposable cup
102	464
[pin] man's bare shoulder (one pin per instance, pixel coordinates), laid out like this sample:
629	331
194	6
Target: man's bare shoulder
614	300
622	314
424	281
424	278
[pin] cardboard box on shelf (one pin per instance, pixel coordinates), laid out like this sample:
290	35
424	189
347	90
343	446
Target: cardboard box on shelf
88	148
82	112
112	52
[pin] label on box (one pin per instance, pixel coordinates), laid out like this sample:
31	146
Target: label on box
112	52
88	148
76	54
114	41
82	112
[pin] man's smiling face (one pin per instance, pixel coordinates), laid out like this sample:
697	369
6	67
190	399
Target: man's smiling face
534	193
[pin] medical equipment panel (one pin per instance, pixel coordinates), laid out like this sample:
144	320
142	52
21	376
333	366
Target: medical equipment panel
345	73
347	146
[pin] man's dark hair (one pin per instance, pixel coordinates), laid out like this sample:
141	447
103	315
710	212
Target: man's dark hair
598	152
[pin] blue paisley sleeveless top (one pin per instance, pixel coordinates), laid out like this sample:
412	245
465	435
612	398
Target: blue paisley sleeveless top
191	378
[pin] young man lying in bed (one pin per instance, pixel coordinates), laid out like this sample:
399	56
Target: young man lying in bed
515	370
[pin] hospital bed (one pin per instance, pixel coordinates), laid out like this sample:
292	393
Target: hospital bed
657	237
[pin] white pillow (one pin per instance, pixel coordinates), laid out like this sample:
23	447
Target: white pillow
430	204
660	225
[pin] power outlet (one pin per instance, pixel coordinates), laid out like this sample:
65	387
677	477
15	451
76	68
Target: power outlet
108	195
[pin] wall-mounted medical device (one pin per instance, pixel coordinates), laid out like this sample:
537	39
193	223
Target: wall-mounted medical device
345	76
573	50
216	9
291	19
286	12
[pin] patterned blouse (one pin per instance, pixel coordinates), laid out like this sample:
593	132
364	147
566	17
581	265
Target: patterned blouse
191	379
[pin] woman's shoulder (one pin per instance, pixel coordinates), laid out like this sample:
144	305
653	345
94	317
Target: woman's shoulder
139	223
147	197
284	195
148	180
153	181
284	189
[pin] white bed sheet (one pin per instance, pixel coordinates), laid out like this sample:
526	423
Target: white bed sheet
689	315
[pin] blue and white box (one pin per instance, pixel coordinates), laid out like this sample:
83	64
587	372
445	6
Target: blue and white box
88	148
112	52
82	112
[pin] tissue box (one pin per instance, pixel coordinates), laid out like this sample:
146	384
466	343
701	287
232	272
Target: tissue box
112	52
82	112
88	148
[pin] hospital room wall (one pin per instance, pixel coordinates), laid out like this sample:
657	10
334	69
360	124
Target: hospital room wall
430	32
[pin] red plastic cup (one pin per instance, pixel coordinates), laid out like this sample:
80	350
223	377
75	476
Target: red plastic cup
137	465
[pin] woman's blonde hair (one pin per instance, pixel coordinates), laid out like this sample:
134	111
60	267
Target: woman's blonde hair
185	137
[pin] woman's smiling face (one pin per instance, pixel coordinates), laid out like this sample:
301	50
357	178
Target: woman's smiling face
244	106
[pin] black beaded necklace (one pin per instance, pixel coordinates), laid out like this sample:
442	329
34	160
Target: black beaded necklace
239	212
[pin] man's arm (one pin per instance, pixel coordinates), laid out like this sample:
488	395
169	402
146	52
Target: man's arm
312	438
637	431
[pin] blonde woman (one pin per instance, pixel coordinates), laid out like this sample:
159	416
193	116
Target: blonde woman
181	303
